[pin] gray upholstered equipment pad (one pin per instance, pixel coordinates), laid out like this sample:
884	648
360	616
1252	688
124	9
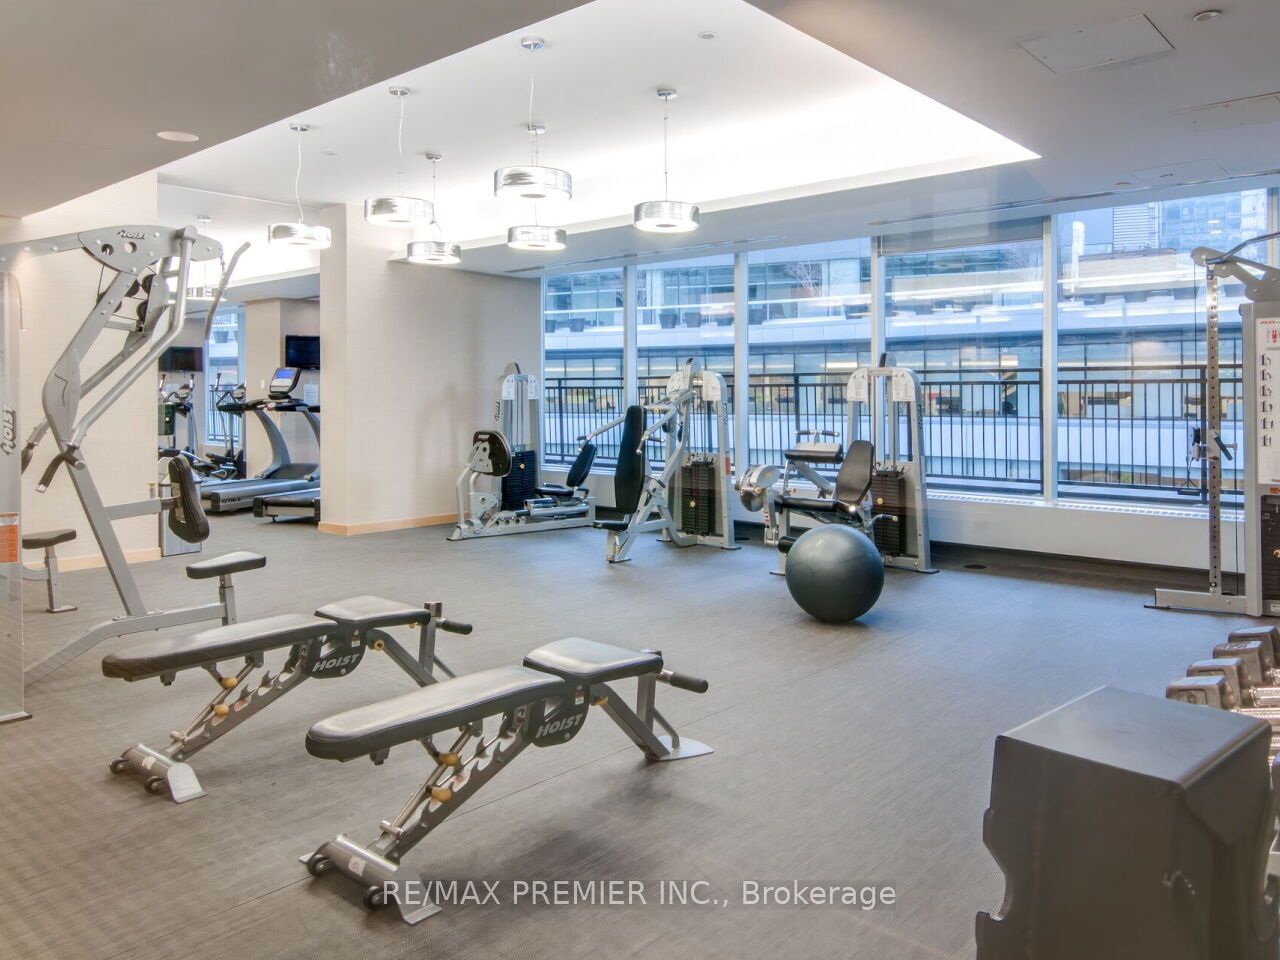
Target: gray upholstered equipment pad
441	706
367	613
585	661
236	562
171	654
46	538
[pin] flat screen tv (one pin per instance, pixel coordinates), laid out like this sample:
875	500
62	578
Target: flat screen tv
302	352
182	360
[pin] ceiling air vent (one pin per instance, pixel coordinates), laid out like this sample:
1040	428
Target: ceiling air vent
1230	114
1098	46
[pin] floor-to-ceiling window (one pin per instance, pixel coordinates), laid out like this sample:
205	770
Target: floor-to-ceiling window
223	371
969	319
808	326
582	366
1131	344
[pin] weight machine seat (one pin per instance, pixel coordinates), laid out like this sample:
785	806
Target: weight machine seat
225	565
358	614
618	525
46	538
171	654
441	706
588	662
557	490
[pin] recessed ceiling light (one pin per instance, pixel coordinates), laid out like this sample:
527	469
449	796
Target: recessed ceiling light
706	35
177	136
1207	16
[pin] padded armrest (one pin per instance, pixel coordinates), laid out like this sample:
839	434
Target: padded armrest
441	706
228	563
367	613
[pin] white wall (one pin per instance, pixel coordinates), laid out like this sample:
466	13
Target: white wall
57	293
410	358
267	322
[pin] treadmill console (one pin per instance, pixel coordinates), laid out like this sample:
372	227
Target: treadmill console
283	382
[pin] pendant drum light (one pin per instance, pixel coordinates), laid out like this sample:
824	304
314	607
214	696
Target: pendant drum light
398	210
666	215
533	181
300	234
434	251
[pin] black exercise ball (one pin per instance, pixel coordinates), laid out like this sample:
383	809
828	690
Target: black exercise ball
835	573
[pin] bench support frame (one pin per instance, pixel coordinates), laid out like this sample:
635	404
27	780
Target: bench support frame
454	779
237	699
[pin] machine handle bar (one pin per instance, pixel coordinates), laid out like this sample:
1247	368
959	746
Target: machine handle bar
683	681
453	626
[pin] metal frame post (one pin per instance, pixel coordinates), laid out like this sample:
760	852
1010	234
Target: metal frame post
741	360
1049	367
630	336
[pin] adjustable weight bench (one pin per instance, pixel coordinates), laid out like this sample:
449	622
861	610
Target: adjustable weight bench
544	702
329	644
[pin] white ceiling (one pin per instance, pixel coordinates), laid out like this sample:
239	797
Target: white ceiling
765	113
88	83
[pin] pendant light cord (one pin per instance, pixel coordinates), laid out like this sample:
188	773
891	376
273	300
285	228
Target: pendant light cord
400	149
435	220
533	135
297	180
666	115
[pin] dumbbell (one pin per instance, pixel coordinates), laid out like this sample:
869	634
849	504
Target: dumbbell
1225	683
1258	648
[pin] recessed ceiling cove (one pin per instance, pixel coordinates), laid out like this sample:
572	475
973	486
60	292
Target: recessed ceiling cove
766	113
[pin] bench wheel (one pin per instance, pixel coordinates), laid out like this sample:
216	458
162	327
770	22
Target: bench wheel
374	898
317	865
118	765
155	784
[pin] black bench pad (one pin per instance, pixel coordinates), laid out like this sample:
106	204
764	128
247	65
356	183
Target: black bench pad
367	613
441	706
618	525
170	654
46	538
826	454
228	563
815	505
587	662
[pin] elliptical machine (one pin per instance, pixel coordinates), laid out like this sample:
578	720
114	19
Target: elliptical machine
509	454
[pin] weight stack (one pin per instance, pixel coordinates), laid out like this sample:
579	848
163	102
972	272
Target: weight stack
518	485
1133	828
889	496
1271	556
698	497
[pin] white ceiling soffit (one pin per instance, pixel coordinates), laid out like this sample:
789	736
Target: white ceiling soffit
89	84
765	113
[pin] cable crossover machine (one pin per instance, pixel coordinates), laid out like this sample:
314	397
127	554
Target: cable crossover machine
146	270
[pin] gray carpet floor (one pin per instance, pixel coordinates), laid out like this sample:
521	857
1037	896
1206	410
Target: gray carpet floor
844	755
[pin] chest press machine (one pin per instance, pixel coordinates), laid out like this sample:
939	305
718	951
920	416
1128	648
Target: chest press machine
544	702
145	298
509	455
687	501
879	487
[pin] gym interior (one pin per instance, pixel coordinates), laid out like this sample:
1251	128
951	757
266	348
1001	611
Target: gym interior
840	436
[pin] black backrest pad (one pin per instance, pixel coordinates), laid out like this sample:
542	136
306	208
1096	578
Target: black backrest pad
633	466
856	473
581	468
186	518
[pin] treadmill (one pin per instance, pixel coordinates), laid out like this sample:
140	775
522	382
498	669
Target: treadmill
282	475
298	504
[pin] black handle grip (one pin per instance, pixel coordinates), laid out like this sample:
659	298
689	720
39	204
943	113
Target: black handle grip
683	681
453	626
